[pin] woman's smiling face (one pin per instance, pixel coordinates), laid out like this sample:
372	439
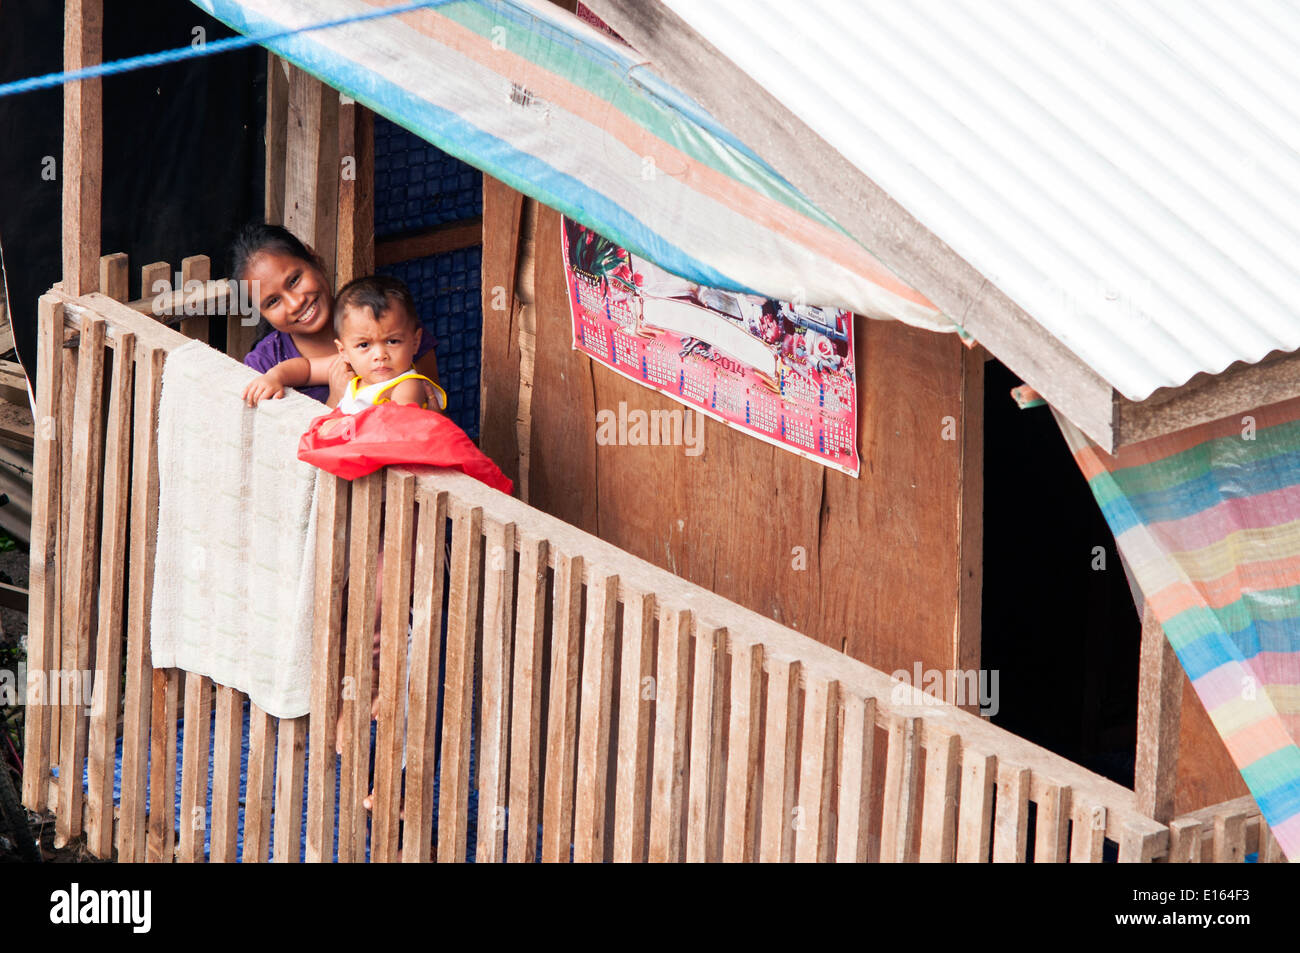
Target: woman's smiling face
292	294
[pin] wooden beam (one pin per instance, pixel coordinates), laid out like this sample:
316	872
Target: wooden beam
311	176
1160	692
83	145
356	243
1238	390
433	241
909	249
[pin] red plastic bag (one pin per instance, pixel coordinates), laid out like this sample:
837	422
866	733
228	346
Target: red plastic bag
353	445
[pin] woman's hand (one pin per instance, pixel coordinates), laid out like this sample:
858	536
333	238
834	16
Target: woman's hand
266	386
340	376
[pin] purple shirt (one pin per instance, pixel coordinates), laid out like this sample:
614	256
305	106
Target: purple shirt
277	347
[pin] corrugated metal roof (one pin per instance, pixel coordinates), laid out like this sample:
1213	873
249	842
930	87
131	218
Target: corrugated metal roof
1127	172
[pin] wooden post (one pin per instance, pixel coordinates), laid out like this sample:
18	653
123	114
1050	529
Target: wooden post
311	175
83	146
970	520
356	229
277	127
1160	693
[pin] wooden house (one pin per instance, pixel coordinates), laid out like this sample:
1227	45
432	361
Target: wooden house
765	598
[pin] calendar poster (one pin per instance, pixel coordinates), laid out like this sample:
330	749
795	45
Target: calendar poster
781	372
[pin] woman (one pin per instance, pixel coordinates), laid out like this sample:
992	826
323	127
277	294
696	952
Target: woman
296	305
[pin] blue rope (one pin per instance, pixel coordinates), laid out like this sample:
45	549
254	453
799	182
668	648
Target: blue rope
192	52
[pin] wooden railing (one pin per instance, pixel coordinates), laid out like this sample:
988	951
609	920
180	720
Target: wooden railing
1223	834
594	707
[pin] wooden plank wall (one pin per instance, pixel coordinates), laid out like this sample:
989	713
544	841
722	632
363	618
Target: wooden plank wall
872	566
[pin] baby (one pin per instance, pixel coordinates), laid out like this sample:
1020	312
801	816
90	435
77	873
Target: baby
377	333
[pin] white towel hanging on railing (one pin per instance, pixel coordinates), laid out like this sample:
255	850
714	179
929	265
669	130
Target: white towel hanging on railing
234	572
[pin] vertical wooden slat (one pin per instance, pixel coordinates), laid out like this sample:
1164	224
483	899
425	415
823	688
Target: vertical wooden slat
82	570
44	599
226	751
526	708
399	529
1010	819
155	280
1087	833
195	268
291	751
114	276
741	807
165	696
331	543
704	792
421	739
462	620
139	672
83	149
812	830
595	715
857	751
1185	841
975	813
257	795
498	602
1052	824
193	820
902	772
939	806
63	579
1229	838
112	585
360	664
671	699
562	711
630	795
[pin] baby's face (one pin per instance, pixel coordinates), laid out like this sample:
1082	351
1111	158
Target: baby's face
379	349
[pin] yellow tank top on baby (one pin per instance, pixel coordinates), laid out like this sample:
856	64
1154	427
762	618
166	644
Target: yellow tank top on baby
357	398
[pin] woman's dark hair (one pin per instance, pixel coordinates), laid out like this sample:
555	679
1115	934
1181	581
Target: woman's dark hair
258	237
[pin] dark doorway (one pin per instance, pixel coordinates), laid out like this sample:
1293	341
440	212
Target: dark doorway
1059	624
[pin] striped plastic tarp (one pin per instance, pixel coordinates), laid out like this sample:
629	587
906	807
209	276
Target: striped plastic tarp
533	96
1208	520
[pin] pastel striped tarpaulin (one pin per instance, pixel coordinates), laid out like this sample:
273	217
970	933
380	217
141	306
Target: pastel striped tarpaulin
538	99
1208	520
